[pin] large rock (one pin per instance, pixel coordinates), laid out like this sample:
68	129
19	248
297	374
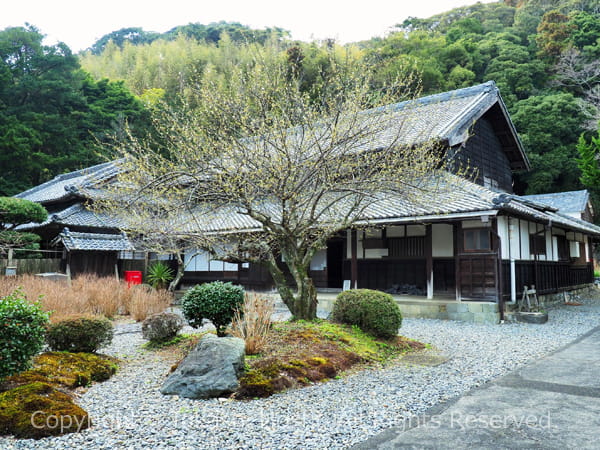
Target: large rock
210	370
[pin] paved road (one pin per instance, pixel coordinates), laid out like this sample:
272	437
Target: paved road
553	403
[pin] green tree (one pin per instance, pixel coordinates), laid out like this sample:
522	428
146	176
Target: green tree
550	126
15	212
51	112
589	152
553	34
277	156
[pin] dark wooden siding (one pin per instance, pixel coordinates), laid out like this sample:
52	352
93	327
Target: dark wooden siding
97	263
484	154
547	276
478	275
381	274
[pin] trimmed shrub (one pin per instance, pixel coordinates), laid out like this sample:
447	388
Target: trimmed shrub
215	301
80	334
161	327
22	329
373	312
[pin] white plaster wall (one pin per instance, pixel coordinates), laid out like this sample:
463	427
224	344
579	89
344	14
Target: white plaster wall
415	230
502	222
319	260
348	244
476	223
514	237
394	231
524	232
374	253
373	233
199	261
549	247
196	260
574	249
587	249
554	248
359	246
442	240
230	267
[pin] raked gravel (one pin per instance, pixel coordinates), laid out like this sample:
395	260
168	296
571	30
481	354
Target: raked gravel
129	412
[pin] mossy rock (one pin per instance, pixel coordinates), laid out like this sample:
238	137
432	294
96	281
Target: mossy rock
64	369
37	410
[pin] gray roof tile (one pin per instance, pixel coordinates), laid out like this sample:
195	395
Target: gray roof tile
67	185
76	216
94	241
564	202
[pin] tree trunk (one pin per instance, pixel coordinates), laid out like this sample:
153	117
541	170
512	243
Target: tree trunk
303	305
179	274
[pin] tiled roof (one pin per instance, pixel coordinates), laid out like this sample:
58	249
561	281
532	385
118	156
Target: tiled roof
448	117
445	118
564	202
94	241
68	184
440	198
74	216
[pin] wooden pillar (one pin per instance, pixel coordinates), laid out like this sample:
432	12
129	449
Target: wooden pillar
353	260
429	260
458	243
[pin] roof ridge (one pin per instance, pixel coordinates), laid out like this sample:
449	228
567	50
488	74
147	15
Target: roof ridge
64	177
482	88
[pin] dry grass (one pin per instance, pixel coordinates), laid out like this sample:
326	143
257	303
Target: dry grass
142	302
253	323
88	295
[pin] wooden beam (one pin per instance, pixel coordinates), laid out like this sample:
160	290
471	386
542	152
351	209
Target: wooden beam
353	260
457	229
429	260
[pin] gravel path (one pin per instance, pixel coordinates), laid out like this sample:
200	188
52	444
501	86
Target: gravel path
129	412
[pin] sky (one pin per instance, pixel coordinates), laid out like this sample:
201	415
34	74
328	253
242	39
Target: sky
80	23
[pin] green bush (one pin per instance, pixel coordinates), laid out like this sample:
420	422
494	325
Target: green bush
22	329
373	312
215	301
80	334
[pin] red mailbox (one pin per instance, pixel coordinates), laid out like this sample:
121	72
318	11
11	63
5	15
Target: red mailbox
133	277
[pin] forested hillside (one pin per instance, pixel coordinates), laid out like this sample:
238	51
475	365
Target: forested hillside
52	113
543	54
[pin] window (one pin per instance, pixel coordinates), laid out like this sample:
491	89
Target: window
477	240
537	244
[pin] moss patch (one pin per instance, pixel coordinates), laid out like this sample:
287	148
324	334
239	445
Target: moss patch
37	410
301	353
62	369
36	403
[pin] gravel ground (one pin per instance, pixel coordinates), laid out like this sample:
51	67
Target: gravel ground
129	412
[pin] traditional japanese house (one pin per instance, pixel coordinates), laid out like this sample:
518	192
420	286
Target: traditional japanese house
474	240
